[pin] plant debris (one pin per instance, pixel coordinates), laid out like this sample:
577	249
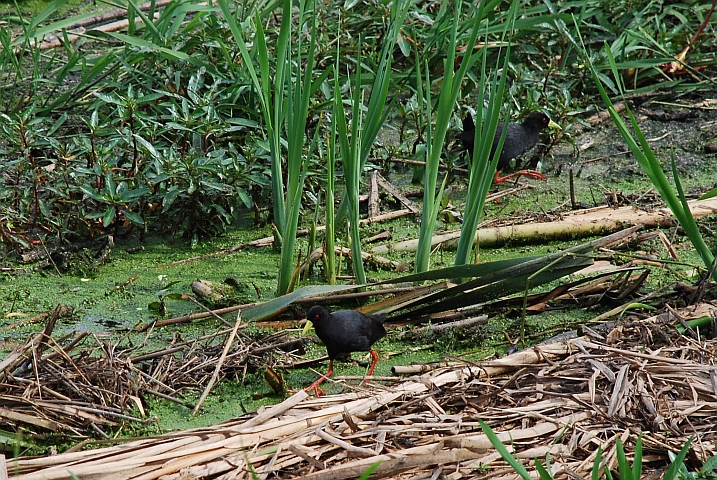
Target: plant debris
77	385
563	400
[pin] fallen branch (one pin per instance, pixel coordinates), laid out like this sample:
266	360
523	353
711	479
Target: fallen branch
269	241
441	327
595	222
373	209
547	400
371	258
193	316
218	368
412	206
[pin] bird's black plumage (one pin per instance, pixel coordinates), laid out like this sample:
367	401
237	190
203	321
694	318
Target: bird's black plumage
344	332
519	138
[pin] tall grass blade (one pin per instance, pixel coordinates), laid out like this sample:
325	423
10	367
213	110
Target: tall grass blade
640	148
298	93
500	278
483	168
357	138
270	95
284	104
369	471
674	469
377	111
33	31
330	236
637	460
144	43
595	472
267	309
436	135
500	448
623	465
350	140
542	471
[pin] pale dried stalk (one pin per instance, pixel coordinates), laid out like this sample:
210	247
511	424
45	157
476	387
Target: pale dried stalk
218	368
554	398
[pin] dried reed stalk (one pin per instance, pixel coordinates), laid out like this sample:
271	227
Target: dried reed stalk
564	399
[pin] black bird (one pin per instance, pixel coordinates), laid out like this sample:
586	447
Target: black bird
520	138
344	332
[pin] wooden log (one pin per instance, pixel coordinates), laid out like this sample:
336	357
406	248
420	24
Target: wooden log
439	327
377	260
412	206
595	222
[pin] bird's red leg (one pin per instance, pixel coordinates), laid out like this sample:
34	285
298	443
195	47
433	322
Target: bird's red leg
532	174
318	391
528	173
499	179
374	361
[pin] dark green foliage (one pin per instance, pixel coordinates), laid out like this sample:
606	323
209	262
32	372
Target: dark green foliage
160	127
161	148
676	469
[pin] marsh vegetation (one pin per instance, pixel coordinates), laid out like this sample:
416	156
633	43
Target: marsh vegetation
272	143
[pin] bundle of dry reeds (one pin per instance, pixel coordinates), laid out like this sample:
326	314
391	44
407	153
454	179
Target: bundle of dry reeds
75	386
563	400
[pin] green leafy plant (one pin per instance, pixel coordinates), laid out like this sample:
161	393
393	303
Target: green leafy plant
369	471
640	148
157	144
118	198
159	307
626	471
169	106
284	105
436	135
707	472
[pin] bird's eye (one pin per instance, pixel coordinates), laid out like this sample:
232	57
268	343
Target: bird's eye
316	317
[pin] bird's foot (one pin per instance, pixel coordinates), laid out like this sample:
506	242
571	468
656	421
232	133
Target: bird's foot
527	173
318	391
532	174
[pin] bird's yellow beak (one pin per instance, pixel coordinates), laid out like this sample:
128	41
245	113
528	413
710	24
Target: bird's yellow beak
554	126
